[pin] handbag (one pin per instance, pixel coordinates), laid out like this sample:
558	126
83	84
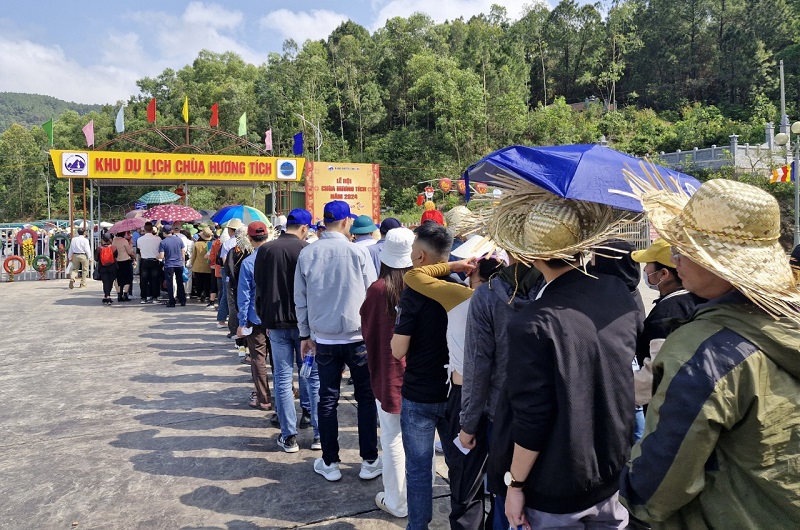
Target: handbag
96	274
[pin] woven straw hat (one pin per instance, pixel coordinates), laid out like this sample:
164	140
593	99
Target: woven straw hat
731	229
553	228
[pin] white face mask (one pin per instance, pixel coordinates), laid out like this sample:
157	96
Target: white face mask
653	286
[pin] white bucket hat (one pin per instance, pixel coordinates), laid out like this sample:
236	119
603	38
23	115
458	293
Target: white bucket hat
396	252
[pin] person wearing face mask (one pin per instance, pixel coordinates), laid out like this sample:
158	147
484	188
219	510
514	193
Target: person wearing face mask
674	306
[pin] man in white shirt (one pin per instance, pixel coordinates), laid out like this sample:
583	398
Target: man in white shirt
78	254
150	266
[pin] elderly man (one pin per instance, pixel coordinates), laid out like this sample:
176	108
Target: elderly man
722	436
78	254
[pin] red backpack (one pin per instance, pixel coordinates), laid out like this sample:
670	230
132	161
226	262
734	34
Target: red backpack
107	255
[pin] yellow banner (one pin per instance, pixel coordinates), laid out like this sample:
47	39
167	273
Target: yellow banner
160	166
356	184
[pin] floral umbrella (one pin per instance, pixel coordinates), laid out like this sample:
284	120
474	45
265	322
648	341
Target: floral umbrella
173	212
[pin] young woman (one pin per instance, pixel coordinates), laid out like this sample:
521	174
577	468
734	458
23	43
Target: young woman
125	256
105	257
378	314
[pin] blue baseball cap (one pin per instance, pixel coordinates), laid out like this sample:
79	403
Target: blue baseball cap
298	216
336	211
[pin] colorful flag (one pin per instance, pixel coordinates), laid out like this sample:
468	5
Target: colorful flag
185	111
297	148
782	174
151	111
243	124
119	124
214	122
48	128
268	140
88	132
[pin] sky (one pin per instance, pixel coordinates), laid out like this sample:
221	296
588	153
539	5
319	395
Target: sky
93	51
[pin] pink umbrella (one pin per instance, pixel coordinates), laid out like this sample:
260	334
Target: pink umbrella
173	212
127	225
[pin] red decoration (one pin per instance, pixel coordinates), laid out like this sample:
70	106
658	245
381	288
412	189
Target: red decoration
179	192
428	192
151	111
445	184
420	200
481	188
462	187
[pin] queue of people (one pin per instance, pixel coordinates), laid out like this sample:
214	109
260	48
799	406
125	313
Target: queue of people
528	353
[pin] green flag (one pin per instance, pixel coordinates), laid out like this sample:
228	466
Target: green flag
48	128
243	125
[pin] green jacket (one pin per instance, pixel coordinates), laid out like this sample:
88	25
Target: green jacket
721	447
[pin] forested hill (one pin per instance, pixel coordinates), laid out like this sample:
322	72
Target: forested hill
34	109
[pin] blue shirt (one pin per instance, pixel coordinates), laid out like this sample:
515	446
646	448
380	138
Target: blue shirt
172	247
135	237
246	294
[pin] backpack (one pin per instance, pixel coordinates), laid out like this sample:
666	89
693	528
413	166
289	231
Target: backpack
107	255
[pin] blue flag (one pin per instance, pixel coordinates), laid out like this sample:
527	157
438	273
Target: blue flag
297	149
120	122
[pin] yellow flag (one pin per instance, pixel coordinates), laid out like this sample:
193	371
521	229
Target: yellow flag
185	112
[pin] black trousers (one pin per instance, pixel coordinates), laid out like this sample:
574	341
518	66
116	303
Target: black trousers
107	274
177	274
465	472
202	281
149	278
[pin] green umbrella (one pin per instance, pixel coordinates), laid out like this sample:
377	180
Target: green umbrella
159	197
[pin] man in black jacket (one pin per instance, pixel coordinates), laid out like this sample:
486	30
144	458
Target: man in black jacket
562	430
275	267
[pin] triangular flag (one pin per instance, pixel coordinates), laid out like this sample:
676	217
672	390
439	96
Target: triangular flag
151	111
48	128
297	148
243	124
214	122
88	132
119	124
268	140
185	111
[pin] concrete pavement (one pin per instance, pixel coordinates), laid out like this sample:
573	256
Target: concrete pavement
136	416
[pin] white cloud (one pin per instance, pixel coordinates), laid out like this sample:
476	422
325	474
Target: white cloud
36	69
303	25
445	9
201	26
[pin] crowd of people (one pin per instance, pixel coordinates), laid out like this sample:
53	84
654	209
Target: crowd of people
526	347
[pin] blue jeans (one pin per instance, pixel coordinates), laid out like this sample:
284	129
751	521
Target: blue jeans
638	426
222	311
330	360
418	423
285	353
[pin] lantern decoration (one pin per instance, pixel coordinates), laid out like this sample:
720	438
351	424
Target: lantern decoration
445	184
420	199
179	192
428	192
481	187
462	187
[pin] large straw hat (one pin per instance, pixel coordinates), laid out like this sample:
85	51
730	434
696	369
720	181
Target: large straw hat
731	229
455	216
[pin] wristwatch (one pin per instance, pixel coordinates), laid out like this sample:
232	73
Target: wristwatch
508	478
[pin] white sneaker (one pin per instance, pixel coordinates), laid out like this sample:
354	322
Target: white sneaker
331	472
379	501
371	471
242	351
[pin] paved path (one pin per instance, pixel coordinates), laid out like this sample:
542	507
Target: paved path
136	417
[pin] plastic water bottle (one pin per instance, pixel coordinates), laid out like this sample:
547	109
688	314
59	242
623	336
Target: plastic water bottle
305	370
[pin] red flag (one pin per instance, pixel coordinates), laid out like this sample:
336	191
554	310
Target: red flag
151	111
214	115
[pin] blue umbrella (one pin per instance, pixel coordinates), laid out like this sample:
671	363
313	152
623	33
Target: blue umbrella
246	214
584	172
